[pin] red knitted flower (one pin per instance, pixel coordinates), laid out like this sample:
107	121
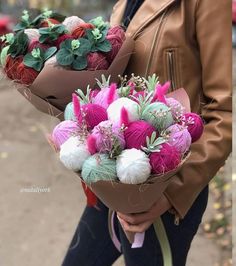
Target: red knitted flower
80	31
97	61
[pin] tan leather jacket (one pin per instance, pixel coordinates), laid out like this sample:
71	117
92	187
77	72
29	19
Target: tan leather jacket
189	43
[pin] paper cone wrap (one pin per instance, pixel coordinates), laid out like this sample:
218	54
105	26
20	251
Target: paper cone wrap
52	89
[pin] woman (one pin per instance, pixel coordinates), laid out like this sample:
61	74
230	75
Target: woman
189	43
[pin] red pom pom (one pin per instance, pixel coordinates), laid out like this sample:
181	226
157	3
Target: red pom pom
81	30
62	38
36	44
45	23
27	74
136	134
11	67
166	160
97	61
116	43
118	31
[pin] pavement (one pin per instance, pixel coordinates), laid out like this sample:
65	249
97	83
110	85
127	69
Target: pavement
36	227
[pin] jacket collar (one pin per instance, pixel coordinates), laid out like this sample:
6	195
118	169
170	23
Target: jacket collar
148	11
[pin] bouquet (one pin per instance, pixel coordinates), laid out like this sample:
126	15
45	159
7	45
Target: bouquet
50	55
126	141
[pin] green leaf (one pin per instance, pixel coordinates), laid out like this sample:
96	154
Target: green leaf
80	63
84	47
64	57
35	63
104	46
50	52
19	45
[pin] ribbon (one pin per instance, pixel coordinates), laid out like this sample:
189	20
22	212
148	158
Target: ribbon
139	238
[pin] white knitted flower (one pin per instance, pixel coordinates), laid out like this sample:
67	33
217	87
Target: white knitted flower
73	153
71	23
114	110
33	34
133	166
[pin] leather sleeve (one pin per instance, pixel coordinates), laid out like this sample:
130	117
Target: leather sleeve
213	33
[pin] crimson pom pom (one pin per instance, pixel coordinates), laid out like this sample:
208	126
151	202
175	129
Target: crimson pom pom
36	44
166	160
81	30
116	43
45	23
194	124
93	114
97	61
27	74
62	38
118	31
136	134
11	67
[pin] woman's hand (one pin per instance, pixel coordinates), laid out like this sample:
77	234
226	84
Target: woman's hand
140	222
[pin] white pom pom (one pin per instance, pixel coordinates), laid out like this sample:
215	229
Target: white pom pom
73	154
114	110
71	23
33	34
133	167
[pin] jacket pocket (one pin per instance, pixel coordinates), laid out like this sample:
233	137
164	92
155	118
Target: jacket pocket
172	68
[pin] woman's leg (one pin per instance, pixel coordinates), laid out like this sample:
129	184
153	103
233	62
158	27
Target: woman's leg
180	238
91	244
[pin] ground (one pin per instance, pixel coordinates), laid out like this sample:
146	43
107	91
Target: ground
36	228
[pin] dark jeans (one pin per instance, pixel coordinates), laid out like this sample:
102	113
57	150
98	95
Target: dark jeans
92	246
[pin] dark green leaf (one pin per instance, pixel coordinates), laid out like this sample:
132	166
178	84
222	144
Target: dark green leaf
19	45
80	63
104	46
35	63
84	48
65	57
50	52
58	16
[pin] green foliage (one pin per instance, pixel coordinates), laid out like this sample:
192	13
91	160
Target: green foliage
19	44
74	53
51	33
37	57
98	40
27	21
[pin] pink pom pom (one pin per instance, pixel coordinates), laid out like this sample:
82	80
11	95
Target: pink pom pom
112	94
63	131
166	160
176	107
93	114
106	96
124	117
93	94
105	133
160	92
180	138
194	124
91	144
136	134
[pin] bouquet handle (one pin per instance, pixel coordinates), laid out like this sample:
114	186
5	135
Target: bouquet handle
137	239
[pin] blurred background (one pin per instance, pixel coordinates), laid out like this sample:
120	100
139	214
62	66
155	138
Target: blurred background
36	228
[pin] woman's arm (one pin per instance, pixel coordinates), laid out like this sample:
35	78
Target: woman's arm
213	33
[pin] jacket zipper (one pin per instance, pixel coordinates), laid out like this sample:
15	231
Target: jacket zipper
171	69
